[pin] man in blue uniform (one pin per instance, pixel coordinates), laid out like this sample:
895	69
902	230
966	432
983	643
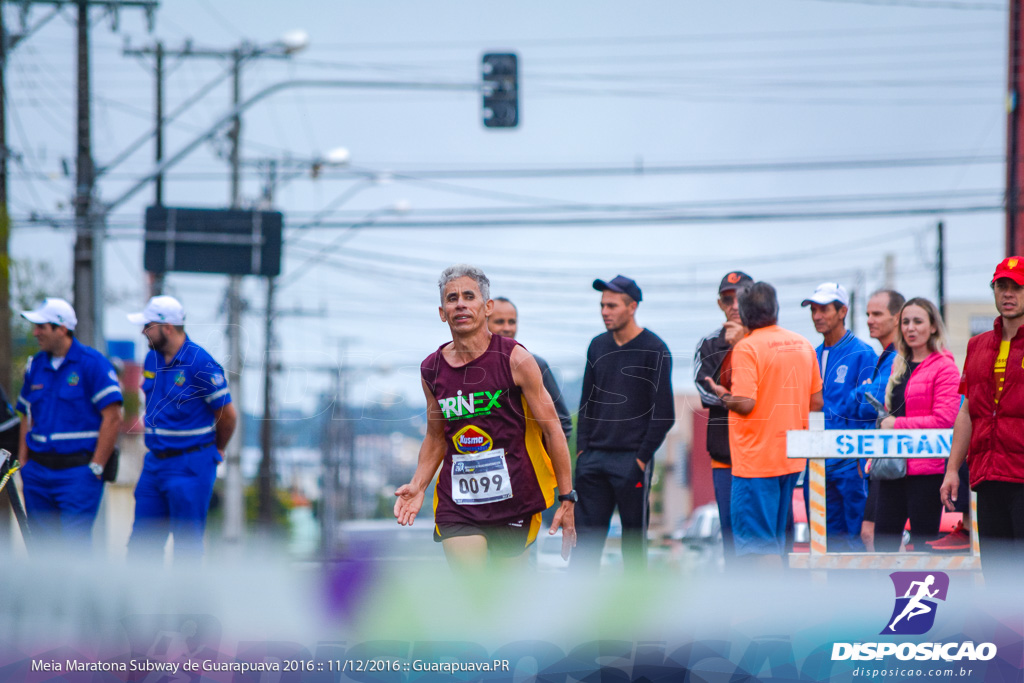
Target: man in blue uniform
70	405
189	421
845	363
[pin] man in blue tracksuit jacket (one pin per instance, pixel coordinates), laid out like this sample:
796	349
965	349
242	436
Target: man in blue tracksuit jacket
189	421
71	408
845	363
883	311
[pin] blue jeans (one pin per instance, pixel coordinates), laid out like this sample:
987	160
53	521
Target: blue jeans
722	478
760	511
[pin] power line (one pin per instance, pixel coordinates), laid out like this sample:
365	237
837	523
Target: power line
641	169
390	257
992	194
925	4
678	219
636	212
672	39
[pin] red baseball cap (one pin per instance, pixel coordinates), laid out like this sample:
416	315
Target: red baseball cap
1011	267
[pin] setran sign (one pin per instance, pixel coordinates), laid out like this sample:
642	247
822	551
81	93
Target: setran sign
224	241
869	443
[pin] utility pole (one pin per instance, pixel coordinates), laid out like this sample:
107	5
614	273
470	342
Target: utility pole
1014	124
156	280
329	479
86	248
7	43
6	349
234	495
88	251
889	270
234	515
329	503
156	286
267	499
941	266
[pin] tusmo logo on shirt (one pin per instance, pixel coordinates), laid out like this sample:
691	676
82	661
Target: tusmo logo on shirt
478	404
74	379
180	378
472	439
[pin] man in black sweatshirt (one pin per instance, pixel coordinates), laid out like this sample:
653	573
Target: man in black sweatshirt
625	412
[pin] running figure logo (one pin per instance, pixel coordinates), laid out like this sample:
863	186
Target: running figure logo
916	593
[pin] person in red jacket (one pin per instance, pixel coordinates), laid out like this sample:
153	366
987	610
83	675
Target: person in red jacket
921	394
989	427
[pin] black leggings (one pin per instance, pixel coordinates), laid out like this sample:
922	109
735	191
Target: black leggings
915	496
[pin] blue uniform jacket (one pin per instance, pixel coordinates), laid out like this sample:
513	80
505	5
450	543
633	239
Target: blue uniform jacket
850	362
65	404
182	397
857	406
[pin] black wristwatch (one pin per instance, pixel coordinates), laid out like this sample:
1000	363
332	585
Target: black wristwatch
572	497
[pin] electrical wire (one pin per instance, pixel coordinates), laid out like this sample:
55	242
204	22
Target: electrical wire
744	37
925	4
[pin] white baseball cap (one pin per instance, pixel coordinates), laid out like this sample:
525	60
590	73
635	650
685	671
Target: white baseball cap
165	310
826	293
54	311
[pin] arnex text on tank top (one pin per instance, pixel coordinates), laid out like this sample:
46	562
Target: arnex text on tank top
477	404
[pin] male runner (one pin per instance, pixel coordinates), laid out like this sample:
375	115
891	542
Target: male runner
487	411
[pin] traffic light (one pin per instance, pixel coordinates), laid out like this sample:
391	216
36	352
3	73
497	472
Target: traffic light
501	90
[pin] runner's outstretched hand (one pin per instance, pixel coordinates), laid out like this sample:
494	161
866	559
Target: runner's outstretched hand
408	505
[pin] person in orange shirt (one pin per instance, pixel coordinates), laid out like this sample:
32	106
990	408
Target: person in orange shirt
776	383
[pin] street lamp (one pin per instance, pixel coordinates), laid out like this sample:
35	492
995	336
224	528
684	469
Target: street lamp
339	156
295	41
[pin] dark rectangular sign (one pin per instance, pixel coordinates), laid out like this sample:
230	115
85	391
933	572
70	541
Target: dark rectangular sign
226	241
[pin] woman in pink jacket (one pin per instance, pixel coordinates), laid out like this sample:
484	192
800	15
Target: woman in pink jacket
922	394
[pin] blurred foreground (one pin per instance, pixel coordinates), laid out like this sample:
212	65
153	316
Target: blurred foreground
374	604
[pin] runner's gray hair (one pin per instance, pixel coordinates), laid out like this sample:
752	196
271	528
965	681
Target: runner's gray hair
465	270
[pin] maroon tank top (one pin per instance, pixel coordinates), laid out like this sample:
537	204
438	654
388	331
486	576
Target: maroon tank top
484	412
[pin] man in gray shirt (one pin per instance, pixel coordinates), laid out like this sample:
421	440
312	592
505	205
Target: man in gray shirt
504	321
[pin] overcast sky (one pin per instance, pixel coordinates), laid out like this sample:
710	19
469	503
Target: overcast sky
704	118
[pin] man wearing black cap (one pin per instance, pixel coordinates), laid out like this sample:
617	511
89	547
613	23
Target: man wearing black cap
712	361
625	412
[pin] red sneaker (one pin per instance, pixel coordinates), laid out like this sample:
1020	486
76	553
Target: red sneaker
957	539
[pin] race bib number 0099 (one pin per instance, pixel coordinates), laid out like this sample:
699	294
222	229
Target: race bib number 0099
479	478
